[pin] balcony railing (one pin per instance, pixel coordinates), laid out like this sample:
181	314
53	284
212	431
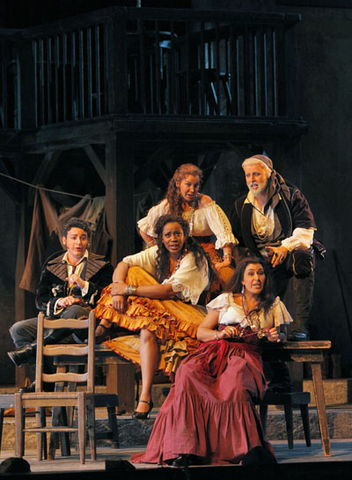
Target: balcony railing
151	62
9	81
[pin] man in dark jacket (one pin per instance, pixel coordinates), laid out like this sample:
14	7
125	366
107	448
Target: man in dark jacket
274	221
69	287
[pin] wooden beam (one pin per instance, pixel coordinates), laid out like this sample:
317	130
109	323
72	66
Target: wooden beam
93	157
10	187
117	72
147	170
120	194
47	166
24	301
159	128
208	164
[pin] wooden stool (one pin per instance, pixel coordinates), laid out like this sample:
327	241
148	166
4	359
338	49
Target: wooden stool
111	402
120	376
288	400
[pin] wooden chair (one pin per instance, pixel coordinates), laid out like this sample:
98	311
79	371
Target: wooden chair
83	400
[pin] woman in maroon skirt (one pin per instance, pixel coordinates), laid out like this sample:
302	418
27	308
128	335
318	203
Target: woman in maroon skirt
209	416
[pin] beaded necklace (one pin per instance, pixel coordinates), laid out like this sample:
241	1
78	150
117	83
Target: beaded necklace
241	332
193	206
179	260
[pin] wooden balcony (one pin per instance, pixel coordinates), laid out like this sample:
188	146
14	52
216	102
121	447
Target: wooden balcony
182	66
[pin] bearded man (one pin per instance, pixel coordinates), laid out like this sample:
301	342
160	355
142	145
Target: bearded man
274	221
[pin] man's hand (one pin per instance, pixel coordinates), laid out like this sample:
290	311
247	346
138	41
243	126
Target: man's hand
69	301
277	255
76	280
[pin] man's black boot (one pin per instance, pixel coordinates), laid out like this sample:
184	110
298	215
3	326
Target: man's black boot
24	355
28	353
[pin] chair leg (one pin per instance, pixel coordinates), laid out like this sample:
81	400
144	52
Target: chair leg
40	422
113	426
2	410
44	446
289	425
91	428
81	423
19	424
263	411
305	420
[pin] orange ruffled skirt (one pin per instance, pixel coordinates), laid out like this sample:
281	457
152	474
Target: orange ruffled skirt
223	276
173	322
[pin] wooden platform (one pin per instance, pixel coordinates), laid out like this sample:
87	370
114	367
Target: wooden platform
302	462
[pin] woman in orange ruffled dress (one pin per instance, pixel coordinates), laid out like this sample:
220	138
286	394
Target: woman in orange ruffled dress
154	292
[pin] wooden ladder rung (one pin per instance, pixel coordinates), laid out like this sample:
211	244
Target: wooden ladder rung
51	429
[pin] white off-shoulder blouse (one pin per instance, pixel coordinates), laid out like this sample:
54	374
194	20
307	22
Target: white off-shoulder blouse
188	282
209	220
230	313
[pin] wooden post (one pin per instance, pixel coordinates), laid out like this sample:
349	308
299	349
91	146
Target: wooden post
120	194
28	114
116	61
20	295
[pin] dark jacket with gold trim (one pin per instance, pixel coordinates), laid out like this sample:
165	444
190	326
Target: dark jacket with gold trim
53	284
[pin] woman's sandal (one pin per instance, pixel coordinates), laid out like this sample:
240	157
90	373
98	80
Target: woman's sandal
101	334
184	460
143	415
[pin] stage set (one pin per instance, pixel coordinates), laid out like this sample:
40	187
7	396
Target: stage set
300	463
105	105
322	452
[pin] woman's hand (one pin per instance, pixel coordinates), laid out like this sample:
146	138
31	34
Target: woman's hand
273	335
224	263
118	302
118	288
227	332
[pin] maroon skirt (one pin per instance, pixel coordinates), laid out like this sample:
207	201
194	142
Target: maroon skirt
210	410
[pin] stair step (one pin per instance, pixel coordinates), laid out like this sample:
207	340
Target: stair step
135	433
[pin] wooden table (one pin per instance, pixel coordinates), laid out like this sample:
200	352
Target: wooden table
306	352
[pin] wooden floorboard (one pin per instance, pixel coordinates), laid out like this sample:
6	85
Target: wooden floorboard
341	452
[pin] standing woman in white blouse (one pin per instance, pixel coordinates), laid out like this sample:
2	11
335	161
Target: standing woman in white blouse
204	216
